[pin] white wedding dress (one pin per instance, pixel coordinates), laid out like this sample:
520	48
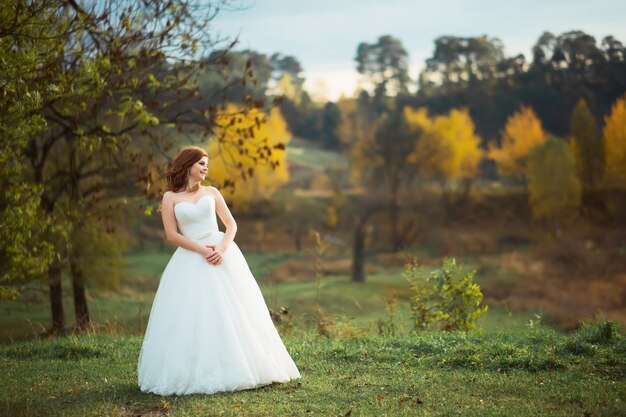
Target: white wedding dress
209	328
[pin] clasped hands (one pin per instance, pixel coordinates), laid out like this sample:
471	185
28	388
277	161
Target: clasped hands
214	254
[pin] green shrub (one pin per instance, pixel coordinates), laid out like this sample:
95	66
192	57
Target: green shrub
446	298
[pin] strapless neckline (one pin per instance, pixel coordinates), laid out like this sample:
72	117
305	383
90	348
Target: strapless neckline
193	203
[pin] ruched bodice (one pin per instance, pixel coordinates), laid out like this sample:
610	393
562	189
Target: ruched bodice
197	220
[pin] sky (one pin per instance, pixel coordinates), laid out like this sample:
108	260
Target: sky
324	34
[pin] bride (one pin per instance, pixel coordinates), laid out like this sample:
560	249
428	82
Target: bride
209	328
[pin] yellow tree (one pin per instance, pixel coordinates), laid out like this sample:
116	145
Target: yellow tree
586	143
431	151
448	147
251	143
458	132
356	131
615	141
554	188
521	133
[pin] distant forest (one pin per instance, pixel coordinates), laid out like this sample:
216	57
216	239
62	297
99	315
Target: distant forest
470	72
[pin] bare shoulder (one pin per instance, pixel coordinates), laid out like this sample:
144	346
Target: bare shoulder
213	191
168	196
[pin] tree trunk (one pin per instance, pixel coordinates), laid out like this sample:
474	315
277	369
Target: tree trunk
358	252
81	310
56	299
393	217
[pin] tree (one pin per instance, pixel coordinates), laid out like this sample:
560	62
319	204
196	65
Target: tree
385	63
447	149
587	146
577	51
521	133
114	67
364	208
24	252
543	49
379	157
28	35
456	59
615	141
554	188
330	119
393	142
379	147
251	143
288	68
223	70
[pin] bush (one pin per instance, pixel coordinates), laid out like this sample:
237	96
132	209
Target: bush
445	298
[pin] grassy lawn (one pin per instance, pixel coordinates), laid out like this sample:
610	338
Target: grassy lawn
506	367
537	372
357	307
310	154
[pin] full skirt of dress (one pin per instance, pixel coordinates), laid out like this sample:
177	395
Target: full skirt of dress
210	330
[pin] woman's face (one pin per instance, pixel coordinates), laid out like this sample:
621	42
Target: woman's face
197	172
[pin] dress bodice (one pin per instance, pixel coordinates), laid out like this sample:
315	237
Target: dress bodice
196	220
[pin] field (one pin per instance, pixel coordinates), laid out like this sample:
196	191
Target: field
512	362
355	306
535	372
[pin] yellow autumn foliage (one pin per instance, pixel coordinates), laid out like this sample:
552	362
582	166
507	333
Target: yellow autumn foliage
615	141
357	132
448	146
522	132
248	148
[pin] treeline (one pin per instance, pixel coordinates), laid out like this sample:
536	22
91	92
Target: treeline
474	73
463	72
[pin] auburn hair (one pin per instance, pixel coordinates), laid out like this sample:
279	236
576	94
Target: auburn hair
176	177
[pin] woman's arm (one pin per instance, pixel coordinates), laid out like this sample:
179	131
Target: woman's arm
171	231
227	218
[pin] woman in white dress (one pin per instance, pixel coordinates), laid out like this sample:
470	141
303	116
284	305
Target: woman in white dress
209	328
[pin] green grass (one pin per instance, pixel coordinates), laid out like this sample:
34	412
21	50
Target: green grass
123	311
506	367
311	155
538	372
358	305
